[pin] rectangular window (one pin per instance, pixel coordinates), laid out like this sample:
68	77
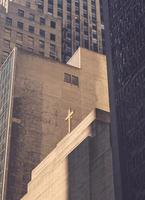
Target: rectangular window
31	17
59	12
53	24
20	13
86	43
50	7
31	29
95	47
8	21
67	78
41	44
42	33
52	51
52	48
20	25
75	80
42	21
52	37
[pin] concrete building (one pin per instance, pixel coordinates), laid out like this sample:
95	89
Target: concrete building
81	21
80	167
125	40
36	32
36	96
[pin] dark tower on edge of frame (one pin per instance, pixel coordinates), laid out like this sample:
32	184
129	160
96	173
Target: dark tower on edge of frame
125	42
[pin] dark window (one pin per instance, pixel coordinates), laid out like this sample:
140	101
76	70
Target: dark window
95	35
53	24
50	6
86	44
52	37
31	29
67	78
20	13
42	33
8	21
95	47
52	48
41	44
52	51
75	80
59	12
31	17
20	25
59	3
42	21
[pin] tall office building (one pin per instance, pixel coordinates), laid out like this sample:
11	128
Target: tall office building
26	28
125	40
81	22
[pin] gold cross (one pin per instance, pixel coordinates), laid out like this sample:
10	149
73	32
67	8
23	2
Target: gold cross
68	118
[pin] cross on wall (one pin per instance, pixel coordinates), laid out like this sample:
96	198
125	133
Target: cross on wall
68	118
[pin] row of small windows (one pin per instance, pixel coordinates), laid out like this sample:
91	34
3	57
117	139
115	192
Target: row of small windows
31	29
20	35
68	8
52	52
68	78
42	22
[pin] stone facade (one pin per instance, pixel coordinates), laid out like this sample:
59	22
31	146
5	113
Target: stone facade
44	90
81	21
80	167
26	28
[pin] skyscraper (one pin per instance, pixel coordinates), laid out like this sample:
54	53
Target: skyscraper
81	22
125	41
33	31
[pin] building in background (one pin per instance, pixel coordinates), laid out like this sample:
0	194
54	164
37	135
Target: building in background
26	28
125	41
80	167
36	94
81	22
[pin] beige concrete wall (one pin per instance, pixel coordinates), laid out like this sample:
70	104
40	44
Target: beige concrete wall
80	167
94	65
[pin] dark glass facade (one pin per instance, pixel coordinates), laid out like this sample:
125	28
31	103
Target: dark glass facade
125	40
6	87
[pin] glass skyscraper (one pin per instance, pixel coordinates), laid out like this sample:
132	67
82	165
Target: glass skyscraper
6	89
